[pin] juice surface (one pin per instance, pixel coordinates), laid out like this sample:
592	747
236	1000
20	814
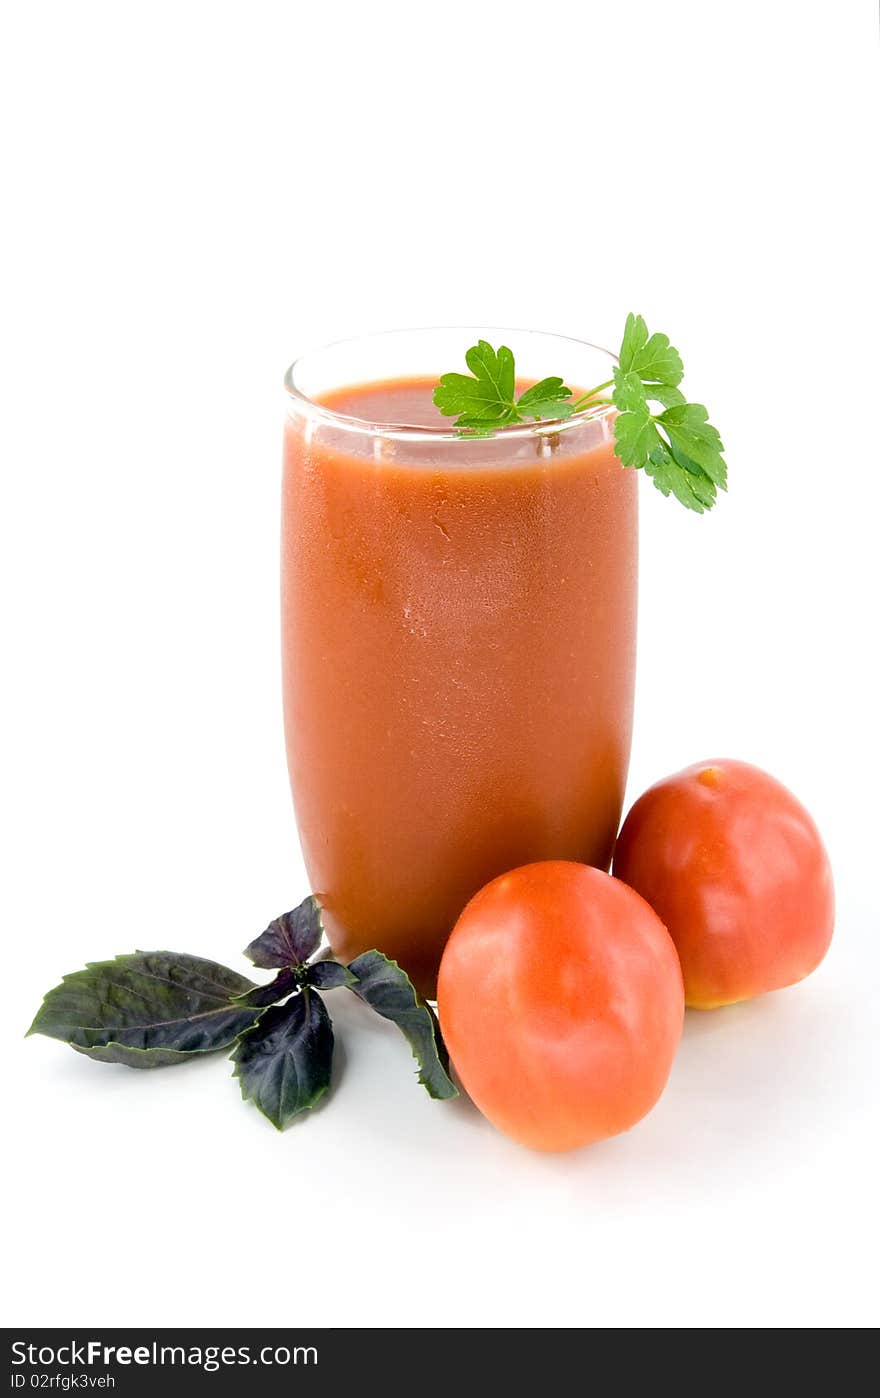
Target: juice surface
459	648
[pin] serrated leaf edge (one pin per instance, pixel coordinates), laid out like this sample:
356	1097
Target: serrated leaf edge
418	1004
291	965
245	1097
113	961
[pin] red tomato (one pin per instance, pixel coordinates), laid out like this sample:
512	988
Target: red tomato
561	1002
735	867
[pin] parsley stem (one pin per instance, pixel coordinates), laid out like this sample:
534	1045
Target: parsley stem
593	393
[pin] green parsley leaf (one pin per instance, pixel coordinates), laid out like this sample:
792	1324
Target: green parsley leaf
677	447
493	367
651	357
689	431
552	408
695	493
663	393
635	436
489	418
458	393
546	391
486	401
629	391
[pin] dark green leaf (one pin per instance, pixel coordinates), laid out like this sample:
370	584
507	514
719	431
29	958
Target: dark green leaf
147	1010
284	1063
137	1058
389	991
291	939
329	975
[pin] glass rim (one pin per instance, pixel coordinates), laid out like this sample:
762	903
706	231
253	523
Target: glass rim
410	431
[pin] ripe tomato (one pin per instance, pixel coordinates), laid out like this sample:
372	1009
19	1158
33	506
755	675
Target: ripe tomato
735	867
561	1002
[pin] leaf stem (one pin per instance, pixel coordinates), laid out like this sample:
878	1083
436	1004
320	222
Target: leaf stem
593	393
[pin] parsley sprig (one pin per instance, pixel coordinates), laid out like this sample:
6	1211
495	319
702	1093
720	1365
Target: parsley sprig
675	445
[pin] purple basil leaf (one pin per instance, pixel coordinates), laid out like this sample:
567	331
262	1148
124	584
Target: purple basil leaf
283	1064
327	975
147	1010
388	990
287	980
291	939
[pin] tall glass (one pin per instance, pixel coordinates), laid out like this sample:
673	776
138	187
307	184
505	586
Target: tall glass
458	636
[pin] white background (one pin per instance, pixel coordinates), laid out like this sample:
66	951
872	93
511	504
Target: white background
195	193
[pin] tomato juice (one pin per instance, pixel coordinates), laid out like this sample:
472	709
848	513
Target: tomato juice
458	652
